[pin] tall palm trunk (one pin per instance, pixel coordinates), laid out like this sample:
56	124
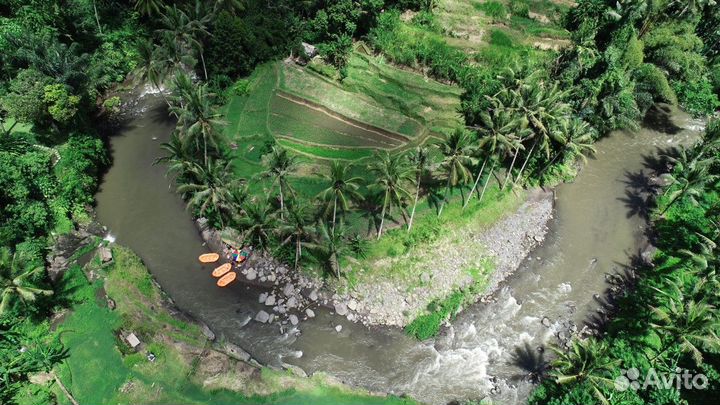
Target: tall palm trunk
417	194
97	18
672	202
477	180
447	191
487	182
512	165
382	218
282	202
527	159
334	214
298	252
202	58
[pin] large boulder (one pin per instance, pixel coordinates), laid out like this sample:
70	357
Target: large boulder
341	309
262	317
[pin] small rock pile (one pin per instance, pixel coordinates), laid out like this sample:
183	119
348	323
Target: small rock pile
291	294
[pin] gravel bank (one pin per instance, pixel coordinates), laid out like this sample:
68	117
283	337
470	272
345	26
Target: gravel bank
443	266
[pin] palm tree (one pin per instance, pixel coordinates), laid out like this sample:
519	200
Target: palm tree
542	107
685	323
419	158
279	166
342	188
152	66
198	121
391	173
690	178
199	17
330	246
209	186
258	223
177	158
456	149
497	139
586	362
16	280
577	136
297	228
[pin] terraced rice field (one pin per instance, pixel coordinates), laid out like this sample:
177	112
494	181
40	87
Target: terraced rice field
375	107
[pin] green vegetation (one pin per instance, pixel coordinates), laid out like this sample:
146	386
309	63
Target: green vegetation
428	325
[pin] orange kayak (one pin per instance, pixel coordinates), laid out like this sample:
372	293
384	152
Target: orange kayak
221	270
209	258
227	279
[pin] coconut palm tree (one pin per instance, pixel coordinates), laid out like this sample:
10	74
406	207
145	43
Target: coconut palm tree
152	66
17	280
177	158
199	17
208	187
497	139
690	178
297	228
586	362
681	322
343	187
392	173
419	158
577	136
258	223
280	165
198	121
331	246
456	148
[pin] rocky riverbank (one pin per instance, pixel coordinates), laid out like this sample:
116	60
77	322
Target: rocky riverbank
442	267
452	263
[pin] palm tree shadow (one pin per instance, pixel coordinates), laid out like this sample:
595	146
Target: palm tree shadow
623	279
639	194
531	360
659	118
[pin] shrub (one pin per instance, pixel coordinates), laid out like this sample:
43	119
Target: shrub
697	97
500	38
653	80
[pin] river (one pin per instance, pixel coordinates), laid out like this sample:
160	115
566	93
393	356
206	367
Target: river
598	226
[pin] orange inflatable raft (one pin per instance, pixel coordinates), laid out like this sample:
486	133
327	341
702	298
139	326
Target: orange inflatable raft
209	258
221	270
226	279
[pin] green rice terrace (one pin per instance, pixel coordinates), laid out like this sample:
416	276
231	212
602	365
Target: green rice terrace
376	106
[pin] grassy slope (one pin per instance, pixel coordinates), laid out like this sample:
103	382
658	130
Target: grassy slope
97	371
470	27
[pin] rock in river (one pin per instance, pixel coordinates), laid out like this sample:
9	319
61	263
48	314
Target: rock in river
251	274
270	301
293	319
310	313
341	309
262	316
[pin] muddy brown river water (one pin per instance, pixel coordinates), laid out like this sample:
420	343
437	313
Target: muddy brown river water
598	226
